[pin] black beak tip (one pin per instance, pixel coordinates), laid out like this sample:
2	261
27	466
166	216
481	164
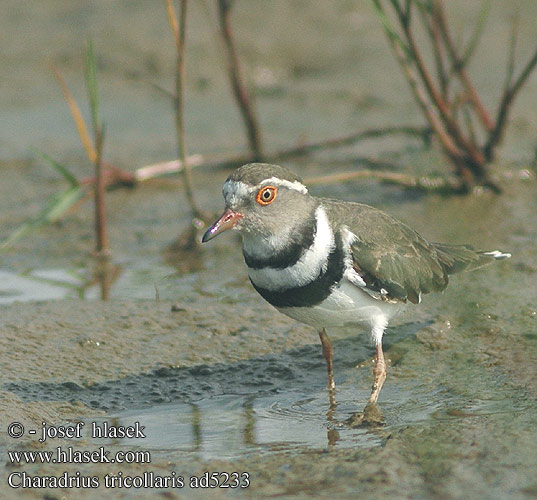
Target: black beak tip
207	236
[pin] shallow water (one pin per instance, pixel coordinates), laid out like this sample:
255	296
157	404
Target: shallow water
273	403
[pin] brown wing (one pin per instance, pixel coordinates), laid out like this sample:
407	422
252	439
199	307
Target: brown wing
394	260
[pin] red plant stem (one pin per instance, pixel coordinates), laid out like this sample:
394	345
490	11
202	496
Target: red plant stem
505	106
239	89
179	111
440	17
449	146
471	151
179	32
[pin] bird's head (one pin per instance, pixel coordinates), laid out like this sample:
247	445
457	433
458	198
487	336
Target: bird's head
263	201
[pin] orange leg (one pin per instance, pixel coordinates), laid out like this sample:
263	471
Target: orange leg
328	355
379	373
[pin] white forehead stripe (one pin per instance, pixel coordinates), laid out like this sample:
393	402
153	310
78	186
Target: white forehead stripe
235	190
307	268
275	181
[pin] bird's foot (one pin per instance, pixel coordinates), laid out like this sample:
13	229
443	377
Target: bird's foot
371	417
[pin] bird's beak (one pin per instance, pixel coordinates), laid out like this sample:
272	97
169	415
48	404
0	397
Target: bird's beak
228	219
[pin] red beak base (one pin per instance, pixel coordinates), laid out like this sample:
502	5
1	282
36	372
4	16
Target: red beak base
228	219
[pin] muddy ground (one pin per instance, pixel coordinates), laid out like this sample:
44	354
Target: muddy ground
221	381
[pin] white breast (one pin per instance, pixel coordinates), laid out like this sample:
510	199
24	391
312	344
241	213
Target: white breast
307	268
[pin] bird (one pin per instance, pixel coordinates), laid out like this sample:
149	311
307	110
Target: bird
329	263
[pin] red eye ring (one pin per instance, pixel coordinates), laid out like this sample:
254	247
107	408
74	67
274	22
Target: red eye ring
266	195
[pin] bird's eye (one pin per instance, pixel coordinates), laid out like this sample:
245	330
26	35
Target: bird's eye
266	195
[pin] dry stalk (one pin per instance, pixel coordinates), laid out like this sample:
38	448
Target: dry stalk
77	116
427	184
178	27
115	177
240	90
233	160
457	132
459	63
506	102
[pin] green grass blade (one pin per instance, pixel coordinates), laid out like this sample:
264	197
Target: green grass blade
476	36
389	28
425	5
61	169
90	74
60	203
56	207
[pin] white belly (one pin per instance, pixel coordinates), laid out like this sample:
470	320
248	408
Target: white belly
347	305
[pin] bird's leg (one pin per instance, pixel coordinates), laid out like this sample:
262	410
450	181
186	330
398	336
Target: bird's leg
379	373
372	416
328	355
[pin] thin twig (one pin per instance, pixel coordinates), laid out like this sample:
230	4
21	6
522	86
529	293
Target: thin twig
165	168
433	31
505	106
423	101
404	55
428	184
304	149
431	184
230	160
469	122
462	149
452	127
476	35
459	65
113	177
524	74
239	89
178	28
77	116
160	89
116	177
513	38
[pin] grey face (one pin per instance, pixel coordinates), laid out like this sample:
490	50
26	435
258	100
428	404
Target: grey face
266	203
270	208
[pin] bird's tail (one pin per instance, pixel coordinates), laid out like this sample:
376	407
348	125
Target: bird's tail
458	258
